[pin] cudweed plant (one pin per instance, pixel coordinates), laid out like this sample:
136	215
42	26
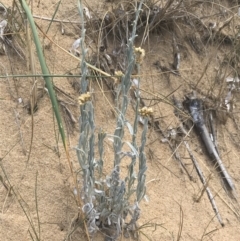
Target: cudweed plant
108	199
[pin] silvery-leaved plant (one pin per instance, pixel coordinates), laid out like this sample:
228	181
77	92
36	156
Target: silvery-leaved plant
108	201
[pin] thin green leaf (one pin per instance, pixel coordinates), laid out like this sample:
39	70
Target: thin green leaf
48	80
53	16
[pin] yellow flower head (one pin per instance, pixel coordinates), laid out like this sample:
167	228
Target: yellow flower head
119	73
139	54
145	111
83	98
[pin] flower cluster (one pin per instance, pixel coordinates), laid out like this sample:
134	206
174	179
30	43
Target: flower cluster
139	55
82	99
145	111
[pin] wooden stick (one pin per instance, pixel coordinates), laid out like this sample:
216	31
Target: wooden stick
203	180
195	109
198	169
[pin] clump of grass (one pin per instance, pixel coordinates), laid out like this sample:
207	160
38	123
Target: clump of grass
110	201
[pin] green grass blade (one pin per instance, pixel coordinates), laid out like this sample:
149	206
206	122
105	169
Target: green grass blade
53	16
45	71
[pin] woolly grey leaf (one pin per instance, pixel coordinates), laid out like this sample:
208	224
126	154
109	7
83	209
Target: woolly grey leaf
87	12
111	139
135	83
98	191
129	127
87	207
132	148
3	25
75	45
129	154
3	10
108	181
104	212
140	119
109	221
146	198
75	192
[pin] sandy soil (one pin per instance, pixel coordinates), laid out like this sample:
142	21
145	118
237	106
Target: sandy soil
34	161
